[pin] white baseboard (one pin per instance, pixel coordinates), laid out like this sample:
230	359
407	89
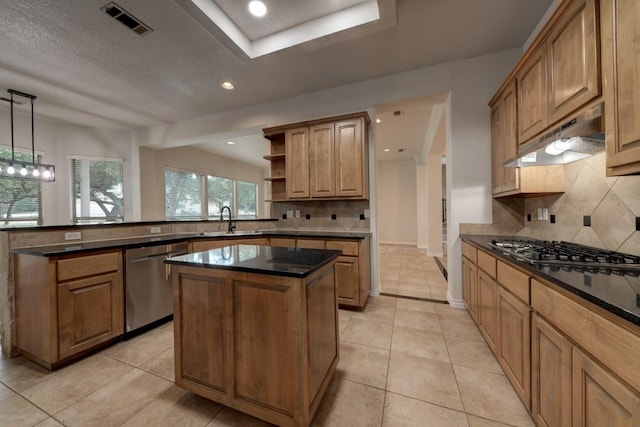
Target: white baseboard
374	293
456	303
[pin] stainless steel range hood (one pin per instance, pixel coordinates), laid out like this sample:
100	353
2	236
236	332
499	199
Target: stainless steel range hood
574	140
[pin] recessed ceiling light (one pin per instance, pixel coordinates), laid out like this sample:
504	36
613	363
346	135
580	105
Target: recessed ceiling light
230	142
257	8
228	85
386	150
378	120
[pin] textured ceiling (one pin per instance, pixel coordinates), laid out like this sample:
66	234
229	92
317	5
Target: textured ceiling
87	68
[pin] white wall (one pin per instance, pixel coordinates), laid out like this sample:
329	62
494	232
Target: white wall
471	84
397	213
57	143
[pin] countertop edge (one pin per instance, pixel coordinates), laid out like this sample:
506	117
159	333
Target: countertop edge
478	242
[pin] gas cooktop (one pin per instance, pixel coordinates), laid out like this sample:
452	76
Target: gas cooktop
567	255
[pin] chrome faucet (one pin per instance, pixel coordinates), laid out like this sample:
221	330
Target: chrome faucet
231	226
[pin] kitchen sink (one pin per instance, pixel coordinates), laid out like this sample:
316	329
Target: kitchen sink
230	234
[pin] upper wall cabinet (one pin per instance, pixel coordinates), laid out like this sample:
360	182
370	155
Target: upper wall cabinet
621	81
324	159
563	73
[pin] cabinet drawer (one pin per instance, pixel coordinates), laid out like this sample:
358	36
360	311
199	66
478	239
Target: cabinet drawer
469	252
487	263
614	346
282	242
347	248
513	280
310	244
90	265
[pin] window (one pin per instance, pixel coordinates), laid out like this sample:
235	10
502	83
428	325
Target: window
20	199
183	194
97	190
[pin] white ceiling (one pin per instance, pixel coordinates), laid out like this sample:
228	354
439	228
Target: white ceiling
89	69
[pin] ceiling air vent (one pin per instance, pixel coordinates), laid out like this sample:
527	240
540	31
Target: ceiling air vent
127	19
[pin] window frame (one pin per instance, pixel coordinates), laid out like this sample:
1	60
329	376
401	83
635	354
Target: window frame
79	220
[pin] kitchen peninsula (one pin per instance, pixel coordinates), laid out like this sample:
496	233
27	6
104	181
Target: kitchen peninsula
256	328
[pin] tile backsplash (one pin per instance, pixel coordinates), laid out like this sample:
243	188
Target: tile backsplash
612	203
342	215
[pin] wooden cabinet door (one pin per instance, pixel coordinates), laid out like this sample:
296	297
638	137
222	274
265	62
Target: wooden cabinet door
350	158
599	399
90	311
348	280
504	140
487	309
574	71
621	79
322	169
297	155
202	312
514	350
550	375
470	287
532	96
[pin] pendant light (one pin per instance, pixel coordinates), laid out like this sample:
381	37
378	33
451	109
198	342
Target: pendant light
10	168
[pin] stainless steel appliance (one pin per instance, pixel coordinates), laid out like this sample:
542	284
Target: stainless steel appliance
567	255
149	296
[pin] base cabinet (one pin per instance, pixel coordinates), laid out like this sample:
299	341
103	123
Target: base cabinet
551	375
599	399
67	305
514	343
487	309
470	287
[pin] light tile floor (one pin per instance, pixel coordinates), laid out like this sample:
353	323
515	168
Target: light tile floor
402	363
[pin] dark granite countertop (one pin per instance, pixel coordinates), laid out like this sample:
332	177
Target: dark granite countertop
151	240
615	290
289	262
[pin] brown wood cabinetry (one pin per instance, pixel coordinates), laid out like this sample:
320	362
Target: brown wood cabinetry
470	287
621	81
324	159
262	344
532	96
551	375
514	345
562	74
277	157
599	398
487	309
67	305
574	69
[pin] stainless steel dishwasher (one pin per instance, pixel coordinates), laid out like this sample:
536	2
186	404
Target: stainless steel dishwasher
148	289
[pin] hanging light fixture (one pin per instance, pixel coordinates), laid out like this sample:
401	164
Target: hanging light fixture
10	168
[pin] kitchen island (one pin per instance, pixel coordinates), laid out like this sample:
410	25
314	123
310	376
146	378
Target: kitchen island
256	328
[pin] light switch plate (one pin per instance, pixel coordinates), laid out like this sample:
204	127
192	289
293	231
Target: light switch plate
73	235
367	213
155	230
290	214
297	213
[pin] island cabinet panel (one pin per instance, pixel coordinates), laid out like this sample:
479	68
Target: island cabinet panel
265	344
322	160
203	325
621	81
349	279
599	398
323	327
551	375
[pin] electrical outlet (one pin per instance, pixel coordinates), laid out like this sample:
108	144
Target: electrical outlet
73	235
540	217
290	214
367	213
155	230
297	213
545	214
